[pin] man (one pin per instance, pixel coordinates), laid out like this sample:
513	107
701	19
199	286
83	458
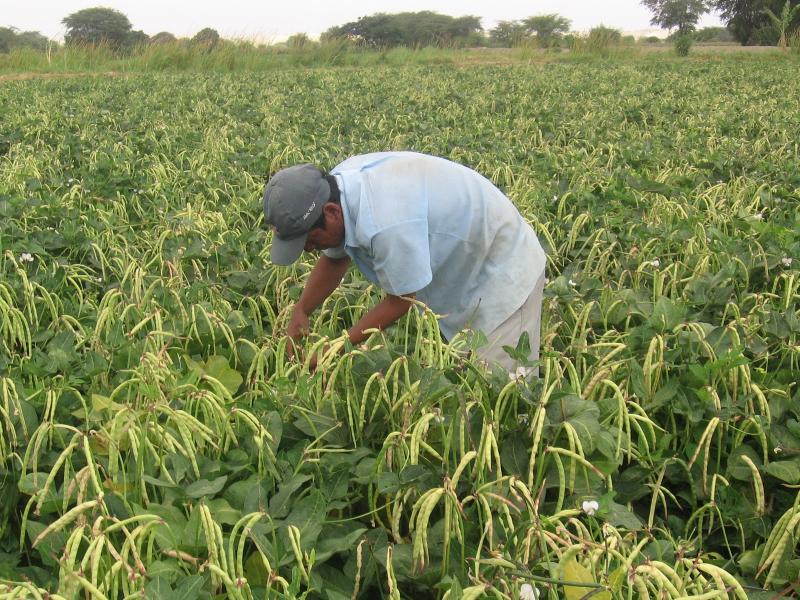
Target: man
419	227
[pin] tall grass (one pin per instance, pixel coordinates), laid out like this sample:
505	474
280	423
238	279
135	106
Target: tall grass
228	57
794	42
245	56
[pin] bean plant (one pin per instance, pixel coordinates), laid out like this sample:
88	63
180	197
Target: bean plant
159	440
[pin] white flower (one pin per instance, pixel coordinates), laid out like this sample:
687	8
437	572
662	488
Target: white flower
758	216
656	263
520	373
777	449
528	592
26	257
572	283
787	262
590	507
140	191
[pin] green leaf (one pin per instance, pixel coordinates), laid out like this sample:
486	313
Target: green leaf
785	470
574	572
279	503
160	588
191	588
204	487
217	367
222	512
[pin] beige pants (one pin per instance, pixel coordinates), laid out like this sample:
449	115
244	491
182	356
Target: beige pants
527	317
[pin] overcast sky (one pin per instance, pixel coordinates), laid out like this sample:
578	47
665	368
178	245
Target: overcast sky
273	20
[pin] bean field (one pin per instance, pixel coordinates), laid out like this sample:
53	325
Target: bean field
157	441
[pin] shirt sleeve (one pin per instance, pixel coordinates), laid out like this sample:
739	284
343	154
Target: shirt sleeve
401	257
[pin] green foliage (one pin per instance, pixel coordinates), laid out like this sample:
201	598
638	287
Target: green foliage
600	41
409	29
156	440
547	29
683	43
8	36
298	40
682	15
206	38
784	21
163	37
508	34
97	26
712	34
749	22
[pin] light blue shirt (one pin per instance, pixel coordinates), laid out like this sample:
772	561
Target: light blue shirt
419	223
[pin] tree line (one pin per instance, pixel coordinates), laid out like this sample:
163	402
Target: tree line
749	22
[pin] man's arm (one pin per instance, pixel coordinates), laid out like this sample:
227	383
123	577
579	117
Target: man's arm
380	316
325	277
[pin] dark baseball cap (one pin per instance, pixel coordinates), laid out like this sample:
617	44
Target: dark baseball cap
293	201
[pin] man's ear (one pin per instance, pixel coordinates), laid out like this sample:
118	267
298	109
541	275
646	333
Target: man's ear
332	211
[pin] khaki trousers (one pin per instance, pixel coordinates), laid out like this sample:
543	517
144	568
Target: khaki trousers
527	318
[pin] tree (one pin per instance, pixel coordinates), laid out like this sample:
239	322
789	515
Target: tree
748	21
547	28
8	38
783	22
682	15
138	38
424	28
32	39
162	37
97	26
713	34
508	33
298	40
206	37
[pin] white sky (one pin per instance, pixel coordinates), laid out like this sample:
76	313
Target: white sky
274	20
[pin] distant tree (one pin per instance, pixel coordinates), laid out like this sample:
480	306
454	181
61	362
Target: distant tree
163	37
32	39
547	28
8	38
604	36
682	15
138	38
97	26
713	34
508	33
651	39
783	21
425	28
748	21
298	40
207	37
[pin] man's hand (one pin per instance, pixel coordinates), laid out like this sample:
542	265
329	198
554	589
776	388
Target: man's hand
298	328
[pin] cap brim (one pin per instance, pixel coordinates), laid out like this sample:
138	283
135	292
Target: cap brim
285	252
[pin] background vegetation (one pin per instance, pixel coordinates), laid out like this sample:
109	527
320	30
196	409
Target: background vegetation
156	439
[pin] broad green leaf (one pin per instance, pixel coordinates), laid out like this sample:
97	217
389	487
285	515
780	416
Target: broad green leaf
785	470
574	572
217	367
205	487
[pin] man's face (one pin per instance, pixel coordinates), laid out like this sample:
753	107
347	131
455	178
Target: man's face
321	239
332	235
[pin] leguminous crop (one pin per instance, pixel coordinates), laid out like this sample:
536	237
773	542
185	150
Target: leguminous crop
157	441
